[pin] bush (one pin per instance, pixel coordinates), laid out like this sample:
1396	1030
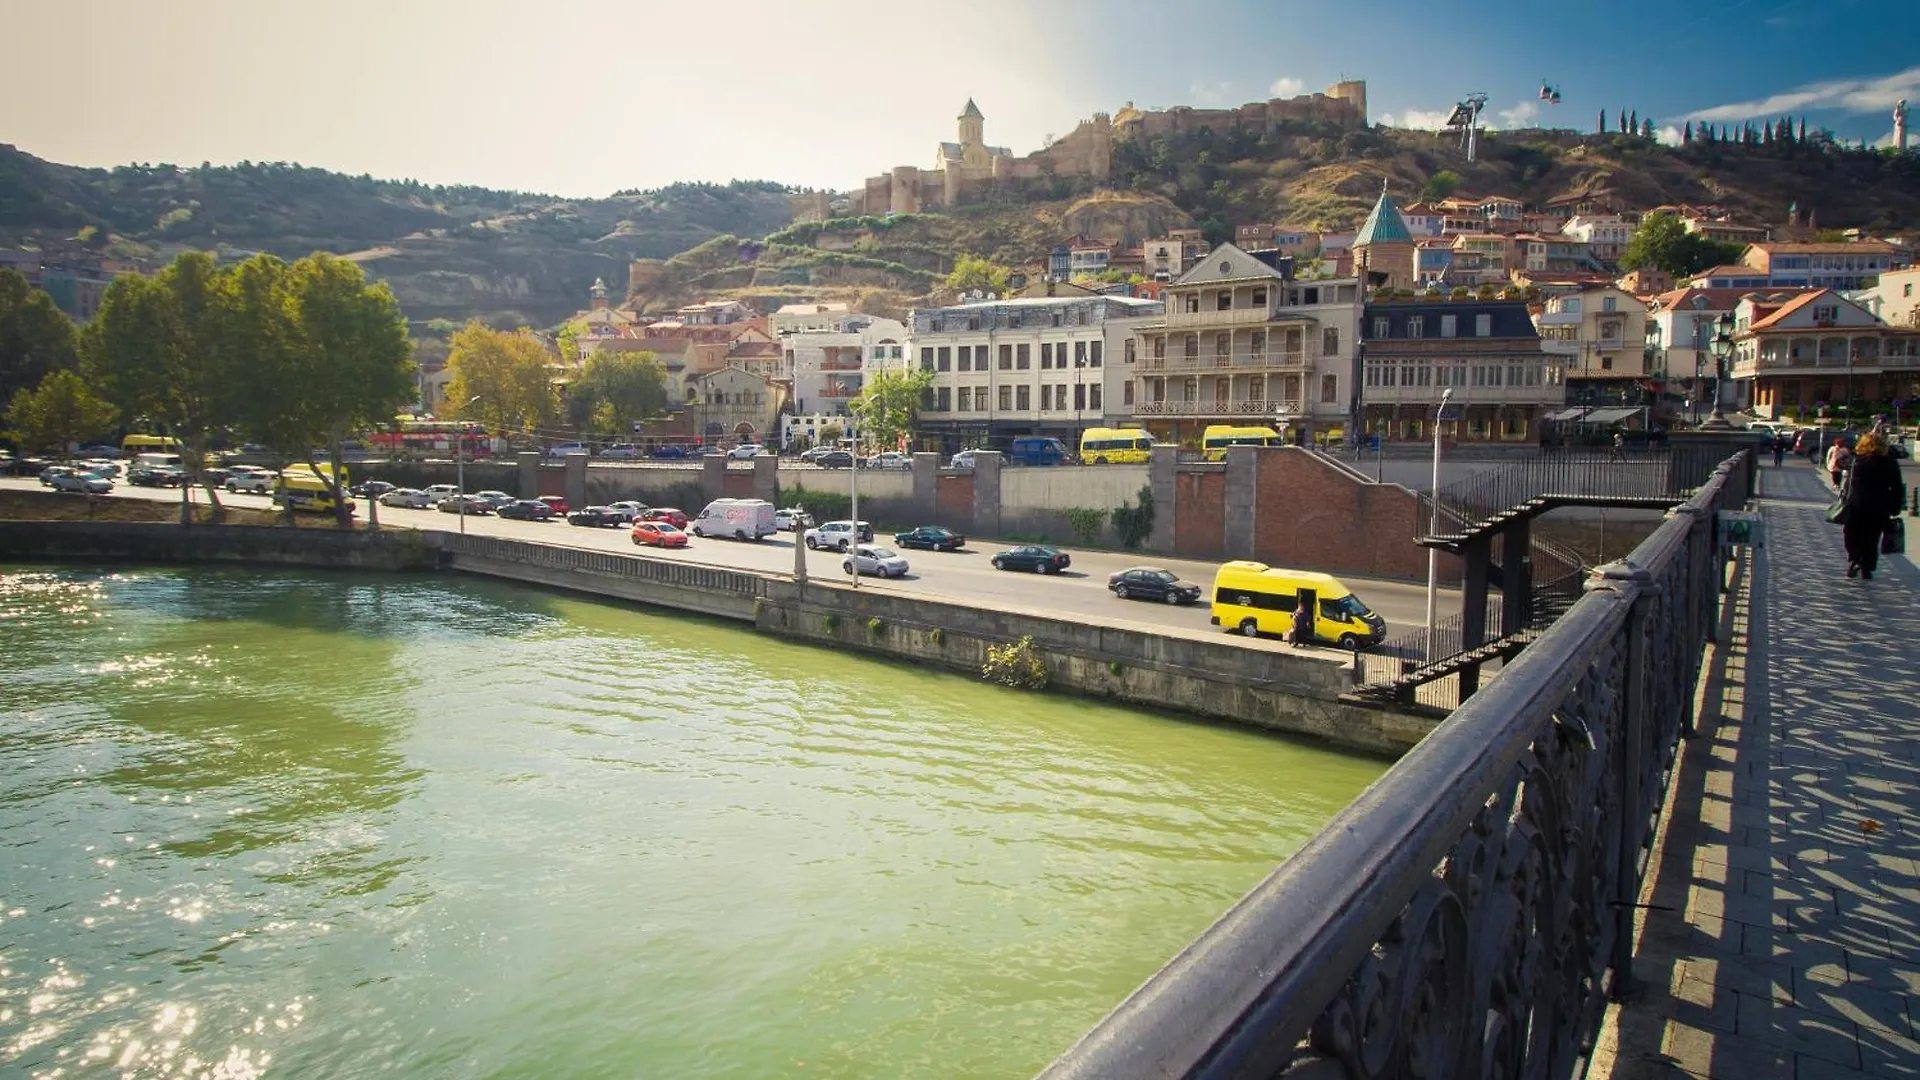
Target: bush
831	622
823	505
1135	523
937	636
875	626
1017	665
1086	524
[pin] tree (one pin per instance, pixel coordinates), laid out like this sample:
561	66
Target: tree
616	390
1440	185
887	405
1633	122
57	414
1686	134
831	434
1663	242
972	272
1646	130
36	337
507	371
1601	129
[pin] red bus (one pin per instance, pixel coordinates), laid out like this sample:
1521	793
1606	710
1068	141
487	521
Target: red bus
416	438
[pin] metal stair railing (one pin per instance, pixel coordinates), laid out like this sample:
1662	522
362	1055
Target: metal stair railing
1558	477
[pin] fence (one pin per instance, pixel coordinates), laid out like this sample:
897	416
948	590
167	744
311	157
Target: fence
1641	476
1469	914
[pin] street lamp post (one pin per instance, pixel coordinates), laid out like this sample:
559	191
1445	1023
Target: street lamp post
1722	349
1433	527
460	464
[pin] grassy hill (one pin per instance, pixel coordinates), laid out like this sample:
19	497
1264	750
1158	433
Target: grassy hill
448	252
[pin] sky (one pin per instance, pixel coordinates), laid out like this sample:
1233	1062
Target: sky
583	99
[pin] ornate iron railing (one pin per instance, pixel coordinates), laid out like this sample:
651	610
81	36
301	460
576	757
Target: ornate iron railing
1469	914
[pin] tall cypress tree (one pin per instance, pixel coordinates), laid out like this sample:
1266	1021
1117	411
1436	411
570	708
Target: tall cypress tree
1686	134
1633	122
1602	129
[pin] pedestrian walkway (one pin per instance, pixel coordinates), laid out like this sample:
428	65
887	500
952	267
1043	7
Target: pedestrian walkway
1782	937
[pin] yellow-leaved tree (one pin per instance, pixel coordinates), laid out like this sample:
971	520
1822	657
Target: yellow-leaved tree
500	378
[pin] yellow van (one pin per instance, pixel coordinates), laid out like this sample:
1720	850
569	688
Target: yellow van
1117	446
1253	598
1215	440
298	487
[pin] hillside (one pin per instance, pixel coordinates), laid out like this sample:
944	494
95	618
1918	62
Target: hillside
448	252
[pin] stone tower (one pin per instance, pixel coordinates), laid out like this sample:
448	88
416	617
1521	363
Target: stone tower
599	294
1385	245
972	127
1900	125
1353	91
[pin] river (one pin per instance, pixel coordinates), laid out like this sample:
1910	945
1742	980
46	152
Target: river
297	824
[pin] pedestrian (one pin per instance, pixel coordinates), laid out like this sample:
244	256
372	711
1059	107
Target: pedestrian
1873	496
1619	446
1779	449
1837	460
1301	635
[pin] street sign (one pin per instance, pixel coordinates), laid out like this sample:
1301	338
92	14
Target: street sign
1451	410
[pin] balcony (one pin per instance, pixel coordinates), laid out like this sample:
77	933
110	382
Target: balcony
1543	394
1245	316
1266	408
839	365
833	390
1239	363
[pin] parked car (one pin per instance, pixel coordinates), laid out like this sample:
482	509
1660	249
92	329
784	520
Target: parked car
412	498
878	561
812	454
835	459
837	535
658	534
474	504
440	491
668	452
495	498
666	514
1153	583
250	478
99	451
216	475
27	466
1037	558
1037	450
961	460
101	467
594	517
561	450
890	460
741	519
555	503
372	489
74	481
628	510
524	510
156	476
620	452
746	451
792	519
932	538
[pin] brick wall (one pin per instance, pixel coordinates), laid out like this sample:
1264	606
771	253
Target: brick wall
1309	515
953	501
739	484
1199	514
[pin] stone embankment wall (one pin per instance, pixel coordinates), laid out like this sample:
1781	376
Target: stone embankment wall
154	542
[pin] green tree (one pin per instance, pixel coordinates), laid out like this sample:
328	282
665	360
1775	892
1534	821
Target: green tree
57	414
973	272
1663	243
887	404
1440	185
36	337
507	371
616	390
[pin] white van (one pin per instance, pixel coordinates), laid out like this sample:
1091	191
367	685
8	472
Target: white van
742	519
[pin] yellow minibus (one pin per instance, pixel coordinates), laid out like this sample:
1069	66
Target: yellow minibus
1253	598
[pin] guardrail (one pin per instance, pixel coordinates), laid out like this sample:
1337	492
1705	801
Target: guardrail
555	557
1470	912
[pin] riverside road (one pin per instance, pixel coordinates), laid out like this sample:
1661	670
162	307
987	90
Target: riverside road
965	575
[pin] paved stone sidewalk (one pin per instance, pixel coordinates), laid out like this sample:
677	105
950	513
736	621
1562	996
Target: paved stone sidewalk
1790	874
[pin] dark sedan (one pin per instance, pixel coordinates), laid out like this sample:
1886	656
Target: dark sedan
371	489
932	538
834	459
525	510
1153	583
596	516
1034	558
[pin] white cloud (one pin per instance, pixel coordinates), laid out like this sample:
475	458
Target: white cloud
1417	119
1286	86
1848	95
1669	136
1525	114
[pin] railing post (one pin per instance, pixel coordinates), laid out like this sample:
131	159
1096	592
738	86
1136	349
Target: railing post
1635	584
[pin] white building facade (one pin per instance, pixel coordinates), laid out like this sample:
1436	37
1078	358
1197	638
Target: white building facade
829	367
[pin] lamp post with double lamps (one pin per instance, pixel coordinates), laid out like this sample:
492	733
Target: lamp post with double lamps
460	464
1440	414
1722	349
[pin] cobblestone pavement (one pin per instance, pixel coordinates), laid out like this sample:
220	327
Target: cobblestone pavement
1783	938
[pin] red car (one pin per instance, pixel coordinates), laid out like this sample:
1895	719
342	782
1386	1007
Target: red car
658	534
557	504
667	514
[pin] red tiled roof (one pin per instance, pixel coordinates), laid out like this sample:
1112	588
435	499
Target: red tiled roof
1787	308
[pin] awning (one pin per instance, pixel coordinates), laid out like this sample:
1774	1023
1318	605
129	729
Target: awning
1607	416
1565	414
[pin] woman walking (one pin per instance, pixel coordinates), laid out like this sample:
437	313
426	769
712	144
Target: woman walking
1874	493
1837	461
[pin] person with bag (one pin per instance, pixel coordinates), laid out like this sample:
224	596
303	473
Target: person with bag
1871	498
1301	634
1837	461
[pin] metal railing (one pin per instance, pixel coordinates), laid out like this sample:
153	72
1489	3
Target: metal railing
1470	913
1653	475
556	557
1238	362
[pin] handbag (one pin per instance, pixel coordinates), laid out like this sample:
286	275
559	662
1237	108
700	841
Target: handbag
1837	511
1894	540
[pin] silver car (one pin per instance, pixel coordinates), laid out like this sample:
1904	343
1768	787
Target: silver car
412	498
875	560
81	483
628	510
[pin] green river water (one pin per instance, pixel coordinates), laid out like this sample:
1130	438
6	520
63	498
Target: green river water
307	825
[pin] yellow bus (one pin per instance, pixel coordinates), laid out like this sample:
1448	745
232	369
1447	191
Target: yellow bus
1118	446
1215	440
1253	598
298	487
149	444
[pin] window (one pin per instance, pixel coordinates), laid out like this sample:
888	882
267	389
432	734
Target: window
1079	354
1907	289
1329	389
944	358
943	400
1022	357
1826	312
1023	398
1224	302
1386	374
1606	363
1449	325
1046	355
1079	397
1483	326
1259	298
1193	303
1330	341
1193	346
1006	358
1256	388
1493	374
1006	398
1056	317
1093	352
1160	348
966	398
1093	396
1130	350
1310	295
1381	327
1417	326
1222	347
964	362
926	359
1013	320
1608	304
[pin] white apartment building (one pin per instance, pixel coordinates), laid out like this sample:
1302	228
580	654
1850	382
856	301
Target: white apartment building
1040	365
795	317
829	366
1244	343
1894	298
1605	235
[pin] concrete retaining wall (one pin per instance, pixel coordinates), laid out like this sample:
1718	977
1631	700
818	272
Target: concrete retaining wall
162	542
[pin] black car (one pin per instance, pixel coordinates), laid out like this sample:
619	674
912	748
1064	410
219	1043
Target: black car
370	489
1153	583
27	466
151	476
1034	558
835	459
596	516
525	510
932	538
